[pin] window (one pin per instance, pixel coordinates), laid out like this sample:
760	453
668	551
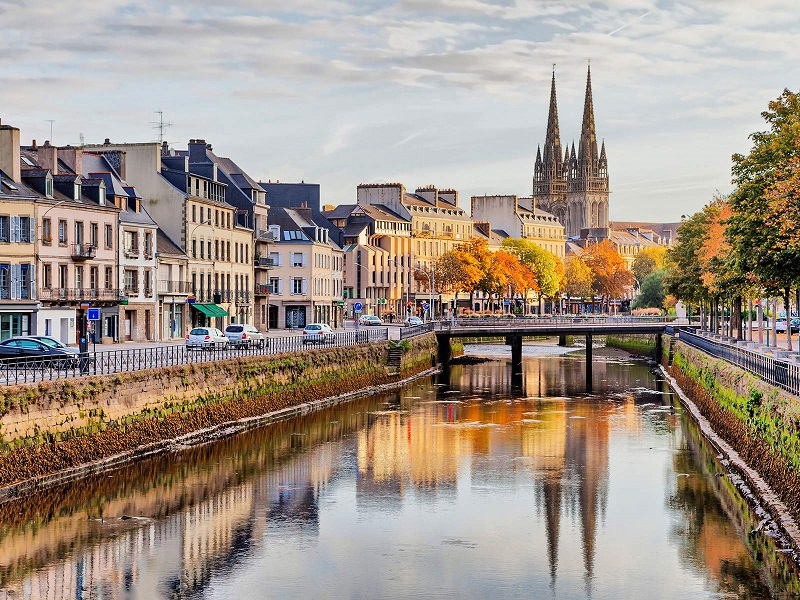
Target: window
216	249
216	218
194	248
3	229
5	281
194	213
148	244
78	232
94	278
297	285
62	276
236	251
47	234
24	231
47	275
202	249
298	259
62	232
201	214
94	235
209	249
131	281
76	192
109	236
109	278
48	187
132	243
79	277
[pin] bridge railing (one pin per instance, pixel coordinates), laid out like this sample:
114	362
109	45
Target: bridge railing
415	330
30	369
776	371
534	321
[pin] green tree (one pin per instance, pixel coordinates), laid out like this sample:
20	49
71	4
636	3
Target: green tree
651	292
577	277
542	263
647	261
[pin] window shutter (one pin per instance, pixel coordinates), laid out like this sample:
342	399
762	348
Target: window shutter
280	286
304	264
15	282
32	223
14	229
32	281
304	283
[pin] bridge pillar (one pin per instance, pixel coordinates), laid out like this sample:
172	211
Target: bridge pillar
444	353
588	362
562	340
659	347
516	353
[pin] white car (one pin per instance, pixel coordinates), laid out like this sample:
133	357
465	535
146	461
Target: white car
244	335
318	333
206	338
412	320
369	320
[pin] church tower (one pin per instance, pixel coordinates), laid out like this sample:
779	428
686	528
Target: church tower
587	176
549	171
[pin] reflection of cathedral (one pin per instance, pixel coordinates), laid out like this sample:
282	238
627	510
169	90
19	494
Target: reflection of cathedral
572	186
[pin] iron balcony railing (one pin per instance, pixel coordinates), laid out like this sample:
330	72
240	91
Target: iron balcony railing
780	372
173	287
78	294
83	251
243	296
263	235
32	369
263	262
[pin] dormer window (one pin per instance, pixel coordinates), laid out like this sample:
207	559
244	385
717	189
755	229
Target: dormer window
48	186
101	195
77	193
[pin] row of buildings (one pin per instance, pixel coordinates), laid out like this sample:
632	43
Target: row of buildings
160	240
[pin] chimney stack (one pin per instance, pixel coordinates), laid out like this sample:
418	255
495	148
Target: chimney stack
9	152
72	157
47	157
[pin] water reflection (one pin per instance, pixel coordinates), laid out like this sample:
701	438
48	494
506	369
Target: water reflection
469	487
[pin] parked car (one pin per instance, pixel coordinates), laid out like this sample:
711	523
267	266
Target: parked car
780	325
206	338
318	333
53	343
412	320
369	320
244	335
27	351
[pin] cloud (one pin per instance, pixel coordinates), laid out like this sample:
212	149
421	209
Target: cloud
339	138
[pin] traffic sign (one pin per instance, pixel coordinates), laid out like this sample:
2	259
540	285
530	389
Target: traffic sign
94	314
358	306
426	306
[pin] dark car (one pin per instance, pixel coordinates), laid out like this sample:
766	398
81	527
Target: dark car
30	352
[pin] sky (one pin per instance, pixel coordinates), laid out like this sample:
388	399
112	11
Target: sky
452	93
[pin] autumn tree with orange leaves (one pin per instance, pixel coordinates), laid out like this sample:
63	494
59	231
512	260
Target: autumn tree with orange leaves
610	274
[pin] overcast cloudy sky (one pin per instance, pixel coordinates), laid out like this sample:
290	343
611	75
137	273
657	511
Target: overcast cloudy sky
446	92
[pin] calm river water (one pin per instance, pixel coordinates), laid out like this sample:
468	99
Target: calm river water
460	486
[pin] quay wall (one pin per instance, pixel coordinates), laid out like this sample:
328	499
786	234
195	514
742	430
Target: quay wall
758	420
52	426
642	344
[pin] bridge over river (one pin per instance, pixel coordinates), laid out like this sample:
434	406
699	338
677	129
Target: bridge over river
515	329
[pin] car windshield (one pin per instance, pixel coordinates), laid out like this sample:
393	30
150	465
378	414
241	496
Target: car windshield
199	332
234	329
51	342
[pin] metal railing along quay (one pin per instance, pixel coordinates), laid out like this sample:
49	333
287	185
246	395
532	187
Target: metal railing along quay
774	370
32	369
415	330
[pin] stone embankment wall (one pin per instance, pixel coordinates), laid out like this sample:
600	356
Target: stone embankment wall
52	426
760	421
642	344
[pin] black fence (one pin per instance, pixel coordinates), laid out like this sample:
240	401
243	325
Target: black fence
33	369
777	371
415	330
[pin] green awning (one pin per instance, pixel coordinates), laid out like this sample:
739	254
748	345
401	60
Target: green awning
210	310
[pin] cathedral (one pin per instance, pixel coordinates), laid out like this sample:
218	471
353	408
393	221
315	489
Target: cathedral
573	187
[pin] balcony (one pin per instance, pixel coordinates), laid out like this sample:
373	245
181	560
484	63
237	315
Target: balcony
243	297
173	287
131	290
263	289
263	262
132	252
222	296
148	292
83	251
148	253
78	294
262	235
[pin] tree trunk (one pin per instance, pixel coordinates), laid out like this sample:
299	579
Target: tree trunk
737	306
787	308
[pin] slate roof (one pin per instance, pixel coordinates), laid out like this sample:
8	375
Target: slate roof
166	246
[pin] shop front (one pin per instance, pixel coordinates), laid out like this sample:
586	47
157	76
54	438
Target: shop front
207	315
17	319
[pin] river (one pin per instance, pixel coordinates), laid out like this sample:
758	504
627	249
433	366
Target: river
463	485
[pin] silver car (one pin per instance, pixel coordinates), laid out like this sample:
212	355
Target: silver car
206	338
244	335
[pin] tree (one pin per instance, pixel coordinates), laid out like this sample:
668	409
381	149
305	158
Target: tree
457	271
578	278
651	292
478	249
647	261
610	274
542	263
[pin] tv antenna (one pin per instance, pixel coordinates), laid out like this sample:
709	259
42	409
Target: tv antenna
51	121
160	125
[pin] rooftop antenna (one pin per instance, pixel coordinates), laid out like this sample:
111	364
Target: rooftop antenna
81	137
51	121
160	125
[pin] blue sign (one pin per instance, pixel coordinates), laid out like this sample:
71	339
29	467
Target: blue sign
426	306
94	314
358	306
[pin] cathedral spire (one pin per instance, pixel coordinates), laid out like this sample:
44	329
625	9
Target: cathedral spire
587	149
552	143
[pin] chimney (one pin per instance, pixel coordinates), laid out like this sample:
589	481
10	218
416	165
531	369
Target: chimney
34	144
304	212
47	157
72	157
9	152
197	151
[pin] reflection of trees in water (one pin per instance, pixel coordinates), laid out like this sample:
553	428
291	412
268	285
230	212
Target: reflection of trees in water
704	534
